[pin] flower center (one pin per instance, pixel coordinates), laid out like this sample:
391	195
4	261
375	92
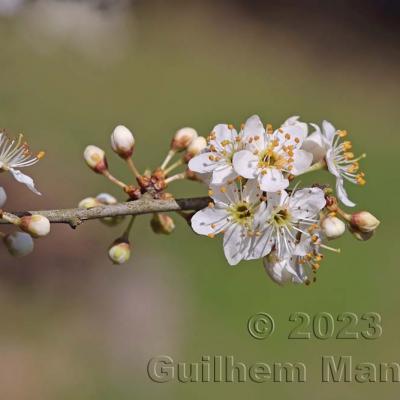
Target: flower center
281	217
241	212
269	158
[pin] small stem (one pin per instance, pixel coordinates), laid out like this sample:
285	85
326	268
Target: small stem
132	167
125	235
343	214
176	177
170	154
11	218
108	175
174	165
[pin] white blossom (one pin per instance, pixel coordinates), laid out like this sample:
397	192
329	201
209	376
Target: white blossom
326	145
285	220
234	214
223	142
270	156
15	154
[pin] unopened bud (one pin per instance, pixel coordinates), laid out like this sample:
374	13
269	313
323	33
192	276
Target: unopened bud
333	227
3	197
18	244
122	141
88	202
120	251
364	221
183	138
107	199
36	225
359	235
196	147
95	158
162	224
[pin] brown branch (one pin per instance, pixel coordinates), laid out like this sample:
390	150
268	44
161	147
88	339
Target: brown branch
145	205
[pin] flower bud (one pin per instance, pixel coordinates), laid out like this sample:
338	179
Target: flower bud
18	244
196	147
35	225
122	141
88	202
364	221
95	158
183	138
359	235
106	199
162	224
333	227
120	251
3	196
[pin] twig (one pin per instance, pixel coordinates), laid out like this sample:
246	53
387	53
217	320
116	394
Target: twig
145	205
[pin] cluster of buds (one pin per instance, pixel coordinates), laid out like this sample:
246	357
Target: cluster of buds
361	224
185	145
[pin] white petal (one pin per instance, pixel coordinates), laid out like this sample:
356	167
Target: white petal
273	181
224	195
236	244
276	199
251	191
253	127
329	131
280	271
342	194
223	174
307	203
315	144
295	127
3	196
201	221
25	179
330	162
304	246
302	161
260	246
222	132
202	163
245	164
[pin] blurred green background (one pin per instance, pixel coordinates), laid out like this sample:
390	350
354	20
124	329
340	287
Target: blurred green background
76	327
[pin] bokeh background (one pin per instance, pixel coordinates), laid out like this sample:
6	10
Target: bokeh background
73	326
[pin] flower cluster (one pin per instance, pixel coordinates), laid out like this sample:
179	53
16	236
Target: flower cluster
14	155
260	217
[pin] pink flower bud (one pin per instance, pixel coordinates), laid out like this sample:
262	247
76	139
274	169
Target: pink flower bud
95	158
122	141
183	138
364	221
36	225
